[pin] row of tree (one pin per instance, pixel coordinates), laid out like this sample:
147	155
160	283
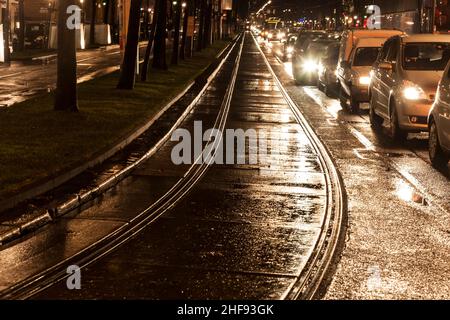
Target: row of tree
196	12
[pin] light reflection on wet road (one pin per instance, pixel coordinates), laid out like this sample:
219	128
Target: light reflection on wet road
398	243
245	231
23	80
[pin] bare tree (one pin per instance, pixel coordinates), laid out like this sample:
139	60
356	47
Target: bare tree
176	37
21	43
66	83
201	31
92	40
159	53
151	38
186	10
128	69
207	37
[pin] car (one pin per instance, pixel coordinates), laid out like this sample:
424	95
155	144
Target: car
404	81
439	124
288	47
327	73
358	51
313	54
303	69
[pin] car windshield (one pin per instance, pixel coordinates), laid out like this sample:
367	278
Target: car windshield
304	39
318	49
366	56
426	56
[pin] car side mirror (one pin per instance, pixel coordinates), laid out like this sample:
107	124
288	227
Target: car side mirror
386	66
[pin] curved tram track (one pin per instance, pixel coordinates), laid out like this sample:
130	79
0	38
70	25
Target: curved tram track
269	230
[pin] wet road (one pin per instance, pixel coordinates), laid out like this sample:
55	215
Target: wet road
398	243
23	80
241	231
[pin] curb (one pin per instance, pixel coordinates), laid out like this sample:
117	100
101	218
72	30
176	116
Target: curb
50	215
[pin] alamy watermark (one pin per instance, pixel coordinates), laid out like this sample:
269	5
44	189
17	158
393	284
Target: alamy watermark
233	146
74	20
73	281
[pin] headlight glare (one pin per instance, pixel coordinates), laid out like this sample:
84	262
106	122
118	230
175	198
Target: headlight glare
411	91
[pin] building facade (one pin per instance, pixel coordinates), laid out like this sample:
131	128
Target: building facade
412	16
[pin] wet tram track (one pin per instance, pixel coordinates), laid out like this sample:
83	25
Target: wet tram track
267	231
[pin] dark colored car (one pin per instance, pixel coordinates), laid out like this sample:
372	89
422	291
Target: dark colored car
327	72
289	46
304	65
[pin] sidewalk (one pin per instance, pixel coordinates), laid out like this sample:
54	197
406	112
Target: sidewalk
25	79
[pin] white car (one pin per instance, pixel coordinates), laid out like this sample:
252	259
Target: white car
439	123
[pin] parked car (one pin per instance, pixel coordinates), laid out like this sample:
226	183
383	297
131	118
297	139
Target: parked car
404	82
439	123
327	73
305	70
358	51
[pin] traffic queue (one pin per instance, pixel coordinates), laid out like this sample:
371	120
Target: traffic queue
404	78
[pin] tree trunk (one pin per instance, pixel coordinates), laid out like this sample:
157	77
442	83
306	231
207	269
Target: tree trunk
7	32
66	83
201	29
151	38
159	53
176	37
21	44
93	20
185	26
219	21
208	25
128	70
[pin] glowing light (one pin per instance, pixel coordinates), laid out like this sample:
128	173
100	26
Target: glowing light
364	81
310	66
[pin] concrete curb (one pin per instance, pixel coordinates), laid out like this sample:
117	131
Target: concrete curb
49	215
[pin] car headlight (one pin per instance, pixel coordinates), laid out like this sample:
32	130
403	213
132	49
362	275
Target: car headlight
290	50
412	91
281	35
270	35
309	66
364	81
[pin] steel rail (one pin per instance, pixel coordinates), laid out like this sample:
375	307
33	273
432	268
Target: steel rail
313	277
47	278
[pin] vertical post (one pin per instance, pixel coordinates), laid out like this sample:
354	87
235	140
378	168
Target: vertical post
6	34
433	18
21	44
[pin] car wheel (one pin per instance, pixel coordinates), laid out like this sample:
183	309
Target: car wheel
395	131
343	99
354	106
320	86
375	120
437	156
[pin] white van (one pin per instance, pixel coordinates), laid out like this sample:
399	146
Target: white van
358	51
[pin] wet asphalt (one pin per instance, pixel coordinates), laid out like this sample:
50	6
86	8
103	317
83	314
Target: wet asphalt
26	79
398	239
244	231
